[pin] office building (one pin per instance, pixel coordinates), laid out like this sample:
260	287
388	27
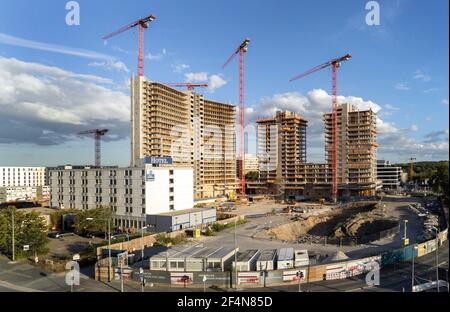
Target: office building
389	175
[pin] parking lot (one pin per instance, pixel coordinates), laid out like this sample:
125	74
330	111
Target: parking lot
62	248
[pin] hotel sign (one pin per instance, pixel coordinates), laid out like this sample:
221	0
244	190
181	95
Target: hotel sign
153	160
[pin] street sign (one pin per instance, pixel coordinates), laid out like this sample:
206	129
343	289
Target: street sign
26	247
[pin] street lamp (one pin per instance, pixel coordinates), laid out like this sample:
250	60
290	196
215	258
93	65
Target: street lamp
412	274
109	247
142	242
405	238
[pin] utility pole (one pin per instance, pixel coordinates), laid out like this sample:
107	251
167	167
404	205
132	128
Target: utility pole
437	258
412	272
13	243
235	254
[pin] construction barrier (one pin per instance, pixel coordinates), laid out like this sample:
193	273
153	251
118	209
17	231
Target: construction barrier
313	273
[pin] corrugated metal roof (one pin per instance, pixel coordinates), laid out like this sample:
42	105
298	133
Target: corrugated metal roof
222	252
247	255
268	255
286	254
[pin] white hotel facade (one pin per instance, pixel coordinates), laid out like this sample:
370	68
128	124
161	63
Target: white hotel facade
132	193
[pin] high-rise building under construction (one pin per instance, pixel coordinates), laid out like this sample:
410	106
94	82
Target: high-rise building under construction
357	147
194	131
282	150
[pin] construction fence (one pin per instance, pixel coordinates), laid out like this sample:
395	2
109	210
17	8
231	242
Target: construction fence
312	273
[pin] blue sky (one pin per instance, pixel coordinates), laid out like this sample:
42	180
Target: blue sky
400	68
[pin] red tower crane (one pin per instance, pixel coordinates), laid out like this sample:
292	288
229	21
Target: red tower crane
142	24
335	64
189	86
241	50
98	135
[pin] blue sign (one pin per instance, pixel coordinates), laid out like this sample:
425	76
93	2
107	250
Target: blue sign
149	176
153	160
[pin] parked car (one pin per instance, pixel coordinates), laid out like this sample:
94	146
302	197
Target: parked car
93	234
60	234
119	235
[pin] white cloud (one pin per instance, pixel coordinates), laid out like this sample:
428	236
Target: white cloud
413	128
393	141
430	90
391	107
119	49
36	100
179	68
402	86
156	57
214	81
421	76
111	65
25	43
445	102
196	77
428	118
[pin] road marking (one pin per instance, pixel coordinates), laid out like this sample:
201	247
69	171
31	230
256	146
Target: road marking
18	288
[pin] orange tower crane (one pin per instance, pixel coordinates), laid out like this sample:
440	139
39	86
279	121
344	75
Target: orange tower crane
189	86
241	50
98	135
335	64
142	24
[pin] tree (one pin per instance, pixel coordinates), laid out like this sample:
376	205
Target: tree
252	176
439	181
92	220
29	229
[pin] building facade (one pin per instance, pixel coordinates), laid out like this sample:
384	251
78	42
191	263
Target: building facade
390	176
132	193
282	150
251	164
195	132
23	184
22	176
357	147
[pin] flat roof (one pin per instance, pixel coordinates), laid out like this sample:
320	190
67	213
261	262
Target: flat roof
221	252
182	212
247	255
186	252
301	254
204	253
285	254
267	255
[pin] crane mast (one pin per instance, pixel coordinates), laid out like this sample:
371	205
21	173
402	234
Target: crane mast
240	51
335	64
